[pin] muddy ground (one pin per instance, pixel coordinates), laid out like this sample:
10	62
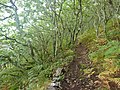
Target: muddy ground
75	78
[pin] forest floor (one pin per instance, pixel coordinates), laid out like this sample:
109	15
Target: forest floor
75	77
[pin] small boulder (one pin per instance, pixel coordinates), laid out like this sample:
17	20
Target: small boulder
55	84
52	88
58	72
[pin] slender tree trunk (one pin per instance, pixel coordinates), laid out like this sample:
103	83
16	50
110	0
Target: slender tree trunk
81	20
96	29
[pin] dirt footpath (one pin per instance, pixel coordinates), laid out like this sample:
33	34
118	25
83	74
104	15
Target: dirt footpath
75	78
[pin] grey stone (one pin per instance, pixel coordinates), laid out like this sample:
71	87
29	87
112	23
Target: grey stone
58	71
55	84
51	88
55	79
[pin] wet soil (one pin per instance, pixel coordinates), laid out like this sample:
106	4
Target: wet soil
75	77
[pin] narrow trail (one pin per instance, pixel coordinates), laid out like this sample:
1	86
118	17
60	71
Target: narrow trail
74	78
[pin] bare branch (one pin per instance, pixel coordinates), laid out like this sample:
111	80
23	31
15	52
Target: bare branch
13	40
13	3
5	5
7	17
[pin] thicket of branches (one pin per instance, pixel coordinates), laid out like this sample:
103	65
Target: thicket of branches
35	34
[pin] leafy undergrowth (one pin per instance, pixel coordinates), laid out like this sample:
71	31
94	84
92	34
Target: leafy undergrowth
36	78
45	77
105	56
